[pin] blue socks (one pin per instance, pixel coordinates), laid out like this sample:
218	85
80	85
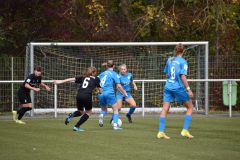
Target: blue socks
131	110
162	122
103	113
115	118
187	121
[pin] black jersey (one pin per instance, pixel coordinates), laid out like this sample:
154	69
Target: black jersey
87	84
33	81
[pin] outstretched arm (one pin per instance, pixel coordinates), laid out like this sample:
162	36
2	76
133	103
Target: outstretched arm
64	81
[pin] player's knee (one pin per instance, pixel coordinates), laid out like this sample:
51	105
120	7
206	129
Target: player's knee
89	112
134	104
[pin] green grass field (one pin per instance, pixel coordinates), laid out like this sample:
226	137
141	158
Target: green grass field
215	139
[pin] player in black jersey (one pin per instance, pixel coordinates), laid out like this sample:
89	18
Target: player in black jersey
88	82
32	82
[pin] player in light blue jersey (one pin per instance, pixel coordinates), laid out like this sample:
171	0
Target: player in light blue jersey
108	80
126	80
176	88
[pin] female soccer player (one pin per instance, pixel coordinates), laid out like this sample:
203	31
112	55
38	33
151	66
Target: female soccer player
126	79
176	88
88	82
108	80
32	82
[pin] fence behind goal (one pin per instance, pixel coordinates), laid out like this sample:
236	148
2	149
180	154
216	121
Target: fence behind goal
145	60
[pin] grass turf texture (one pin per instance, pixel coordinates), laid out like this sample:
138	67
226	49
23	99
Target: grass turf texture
215	138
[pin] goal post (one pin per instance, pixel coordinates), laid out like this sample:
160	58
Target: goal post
145	60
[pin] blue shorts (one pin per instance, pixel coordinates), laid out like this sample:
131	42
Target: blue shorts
181	95
122	97
107	98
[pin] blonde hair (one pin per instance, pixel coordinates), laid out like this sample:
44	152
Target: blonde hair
122	65
179	49
90	71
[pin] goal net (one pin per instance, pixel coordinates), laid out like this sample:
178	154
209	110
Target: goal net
144	60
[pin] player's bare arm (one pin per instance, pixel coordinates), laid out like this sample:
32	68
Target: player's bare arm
185	82
119	87
134	86
64	81
99	90
45	86
31	88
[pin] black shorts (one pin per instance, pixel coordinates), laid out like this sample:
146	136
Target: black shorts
84	102
24	97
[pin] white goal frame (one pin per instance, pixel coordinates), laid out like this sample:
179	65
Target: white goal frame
206	93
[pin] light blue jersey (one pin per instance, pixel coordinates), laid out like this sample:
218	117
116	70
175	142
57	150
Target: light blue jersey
174	88
125	81
108	79
175	67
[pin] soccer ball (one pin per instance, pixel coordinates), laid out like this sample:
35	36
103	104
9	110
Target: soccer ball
119	122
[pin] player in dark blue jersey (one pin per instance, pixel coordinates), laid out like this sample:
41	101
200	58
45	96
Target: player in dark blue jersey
109	79
126	80
176	88
32	82
88	82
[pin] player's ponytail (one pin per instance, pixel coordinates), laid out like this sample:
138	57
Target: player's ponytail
179	49
108	64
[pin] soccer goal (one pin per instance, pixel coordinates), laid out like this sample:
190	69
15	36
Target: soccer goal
145	60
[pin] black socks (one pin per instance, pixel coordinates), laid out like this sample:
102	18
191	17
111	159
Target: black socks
83	119
22	111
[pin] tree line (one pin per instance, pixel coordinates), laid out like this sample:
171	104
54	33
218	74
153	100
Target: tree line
24	21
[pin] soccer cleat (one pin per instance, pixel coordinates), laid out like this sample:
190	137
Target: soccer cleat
162	135
20	122
185	133
78	129
129	118
100	121
14	115
68	119
117	128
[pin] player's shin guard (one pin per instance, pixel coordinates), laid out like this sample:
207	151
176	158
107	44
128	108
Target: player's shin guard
22	111
187	121
131	110
162	122
83	119
115	119
103	113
